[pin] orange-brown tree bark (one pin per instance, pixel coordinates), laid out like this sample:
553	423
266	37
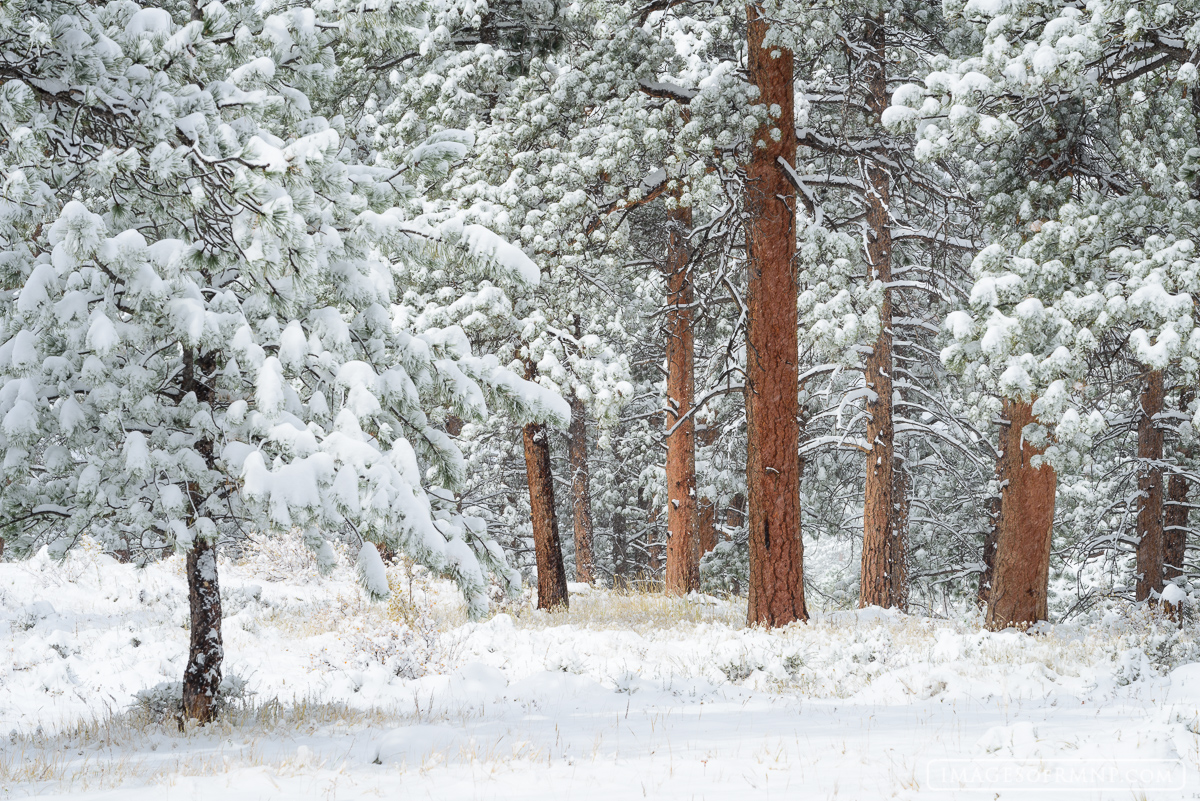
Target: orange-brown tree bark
552	576
581	492
682	574
1150	489
1021	575
879	569
772	361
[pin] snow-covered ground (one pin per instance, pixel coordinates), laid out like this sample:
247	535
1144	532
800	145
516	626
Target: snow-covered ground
626	696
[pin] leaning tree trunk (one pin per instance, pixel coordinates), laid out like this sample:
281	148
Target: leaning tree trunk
1021	578
581	493
552	576
202	674
682	574
772	360
1150	490
878	577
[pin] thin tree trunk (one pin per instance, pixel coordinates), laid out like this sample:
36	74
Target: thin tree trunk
1175	523
654	551
1150	490
989	547
682	574
772	361
708	525
735	514
1176	512
581	493
1022	572
898	543
202	675
709	533
620	551
552	576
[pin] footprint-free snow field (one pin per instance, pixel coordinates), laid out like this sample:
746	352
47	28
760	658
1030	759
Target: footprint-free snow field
627	695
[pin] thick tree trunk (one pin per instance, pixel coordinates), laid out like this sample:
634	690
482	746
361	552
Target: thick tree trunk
202	675
1022	572
581	492
552	576
880	576
683	538
1150	490
1175	523
772	369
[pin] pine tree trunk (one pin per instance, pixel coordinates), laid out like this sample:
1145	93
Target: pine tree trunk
202	676
581	493
1150	490
620	551
709	533
898	543
735	515
1020	585
877	581
708	526
772	361
683	539
1175	523
989	547
552	576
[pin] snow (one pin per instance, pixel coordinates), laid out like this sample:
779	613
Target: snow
149	21
1173	594
485	244
675	696
372	573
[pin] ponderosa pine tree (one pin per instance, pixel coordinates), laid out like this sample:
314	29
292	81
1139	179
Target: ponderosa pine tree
772	358
204	335
1087	262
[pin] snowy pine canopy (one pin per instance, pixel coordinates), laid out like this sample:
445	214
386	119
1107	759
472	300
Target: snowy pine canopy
204	331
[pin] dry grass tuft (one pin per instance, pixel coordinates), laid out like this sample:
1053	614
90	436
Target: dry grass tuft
635	610
105	752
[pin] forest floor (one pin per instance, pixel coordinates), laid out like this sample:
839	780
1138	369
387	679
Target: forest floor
624	696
